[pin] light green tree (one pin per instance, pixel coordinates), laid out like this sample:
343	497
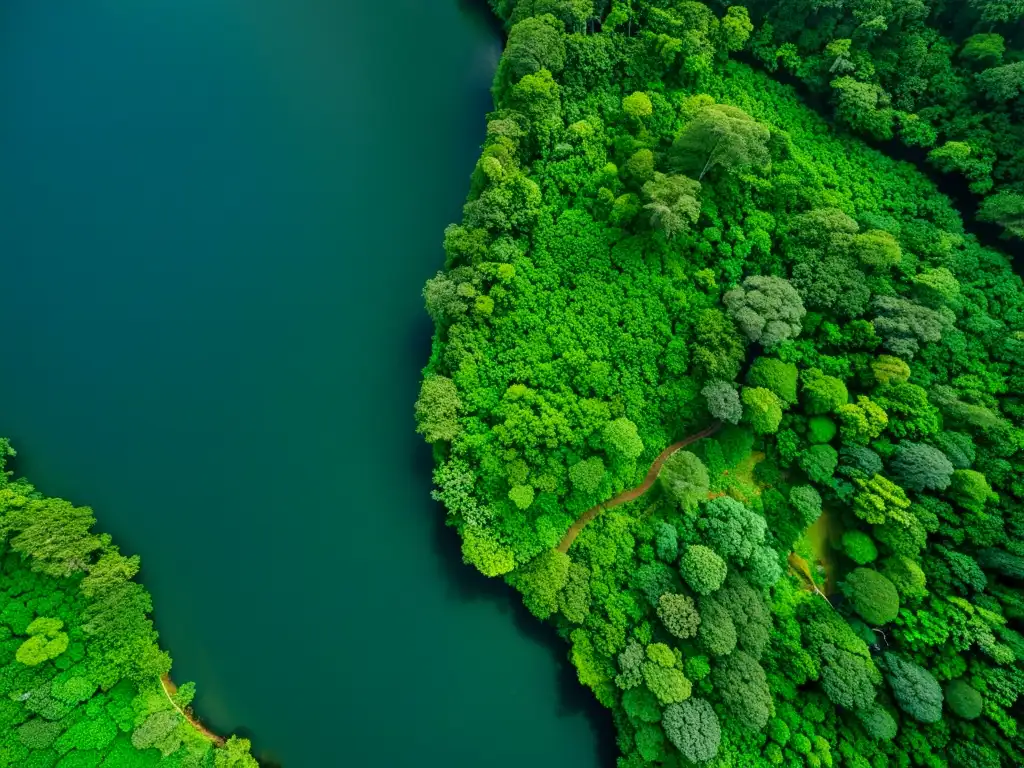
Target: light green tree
721	136
672	203
45	642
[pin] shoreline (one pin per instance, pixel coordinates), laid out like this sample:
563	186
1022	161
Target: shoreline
170	689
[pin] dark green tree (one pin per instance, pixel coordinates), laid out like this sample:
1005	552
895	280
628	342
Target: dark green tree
914	688
920	467
873	596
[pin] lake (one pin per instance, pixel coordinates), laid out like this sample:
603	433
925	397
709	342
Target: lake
217	219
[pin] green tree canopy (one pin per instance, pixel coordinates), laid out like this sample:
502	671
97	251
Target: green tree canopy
1005	209
702	569
859	547
718	347
963	700
819	462
672	202
878	723
437	409
823	394
679	615
723	401
762	409
717	632
731	529
807	502
622	440
742	684
540	580
877	249
916	691
721	136
766	309
920	467
685	479
849	680
873	596
586	475
45	642
863	421
693	728
637	105
879	500
775	375
534	44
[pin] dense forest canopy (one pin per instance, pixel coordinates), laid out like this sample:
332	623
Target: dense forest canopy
83	683
662	241
945	76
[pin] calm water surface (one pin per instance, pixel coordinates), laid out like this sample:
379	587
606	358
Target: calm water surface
215	220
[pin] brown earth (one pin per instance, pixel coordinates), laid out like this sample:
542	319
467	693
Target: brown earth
633	493
169	690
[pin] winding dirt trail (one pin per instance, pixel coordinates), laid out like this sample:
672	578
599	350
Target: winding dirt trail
632	494
169	690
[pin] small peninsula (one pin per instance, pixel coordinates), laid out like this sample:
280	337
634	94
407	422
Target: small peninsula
83	680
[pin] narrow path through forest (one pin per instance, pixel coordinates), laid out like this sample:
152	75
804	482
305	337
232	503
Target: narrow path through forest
169	689
633	493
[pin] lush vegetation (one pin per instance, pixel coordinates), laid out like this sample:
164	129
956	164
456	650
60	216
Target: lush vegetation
658	238
80	669
945	76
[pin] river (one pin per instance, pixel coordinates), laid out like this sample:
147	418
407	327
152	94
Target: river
217	218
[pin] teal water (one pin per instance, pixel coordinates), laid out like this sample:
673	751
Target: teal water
216	219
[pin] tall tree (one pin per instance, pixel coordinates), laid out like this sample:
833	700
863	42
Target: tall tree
721	136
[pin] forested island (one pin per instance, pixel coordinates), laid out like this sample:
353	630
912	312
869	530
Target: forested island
733	399
83	682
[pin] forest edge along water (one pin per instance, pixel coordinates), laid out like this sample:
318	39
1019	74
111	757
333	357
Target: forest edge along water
220	327
169	689
193	379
